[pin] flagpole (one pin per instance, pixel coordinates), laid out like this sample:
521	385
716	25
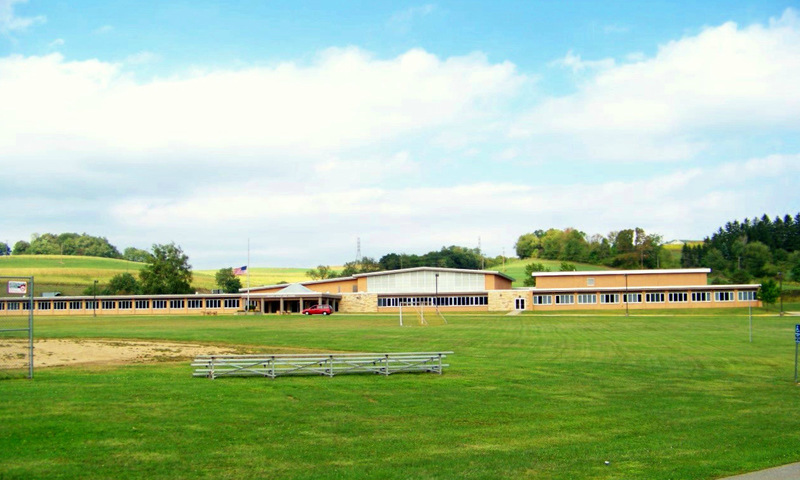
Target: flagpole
248	274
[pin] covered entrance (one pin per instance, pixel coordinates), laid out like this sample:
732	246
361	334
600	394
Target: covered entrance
293	299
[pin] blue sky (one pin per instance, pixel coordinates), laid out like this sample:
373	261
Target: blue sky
306	125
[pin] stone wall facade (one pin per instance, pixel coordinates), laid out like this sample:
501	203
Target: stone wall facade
359	303
503	300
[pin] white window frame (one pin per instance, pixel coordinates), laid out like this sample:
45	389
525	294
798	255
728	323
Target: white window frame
747	295
587	298
605	297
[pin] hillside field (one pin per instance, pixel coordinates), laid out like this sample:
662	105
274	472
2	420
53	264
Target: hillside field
658	396
70	275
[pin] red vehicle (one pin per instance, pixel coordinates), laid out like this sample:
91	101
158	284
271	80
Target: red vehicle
318	309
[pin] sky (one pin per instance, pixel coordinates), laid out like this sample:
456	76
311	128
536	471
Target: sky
300	128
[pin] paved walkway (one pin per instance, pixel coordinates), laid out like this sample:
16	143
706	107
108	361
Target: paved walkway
786	472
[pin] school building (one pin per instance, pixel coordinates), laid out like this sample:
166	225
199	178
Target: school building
445	289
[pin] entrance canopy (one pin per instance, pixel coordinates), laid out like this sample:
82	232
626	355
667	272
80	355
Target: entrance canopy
293	299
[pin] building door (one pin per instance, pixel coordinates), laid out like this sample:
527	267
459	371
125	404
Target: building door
519	303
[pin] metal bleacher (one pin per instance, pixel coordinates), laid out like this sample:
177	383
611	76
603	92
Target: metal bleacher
327	364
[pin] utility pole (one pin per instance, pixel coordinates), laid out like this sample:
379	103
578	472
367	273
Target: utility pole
94	302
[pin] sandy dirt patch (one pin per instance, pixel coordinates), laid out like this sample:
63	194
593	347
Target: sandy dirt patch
53	352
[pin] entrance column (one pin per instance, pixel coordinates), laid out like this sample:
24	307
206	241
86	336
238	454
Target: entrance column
281	310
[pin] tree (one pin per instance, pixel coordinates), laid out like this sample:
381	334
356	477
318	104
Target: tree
530	281
4	249
528	245
322	272
769	291
568	267
167	271
122	284
136	255
21	248
365	265
756	257
227	281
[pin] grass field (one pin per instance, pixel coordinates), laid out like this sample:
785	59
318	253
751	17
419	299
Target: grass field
659	396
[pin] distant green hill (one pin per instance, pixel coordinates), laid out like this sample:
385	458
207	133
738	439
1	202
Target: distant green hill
515	268
69	275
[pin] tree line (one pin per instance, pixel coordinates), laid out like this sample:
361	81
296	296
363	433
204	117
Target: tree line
758	248
447	257
81	244
629	248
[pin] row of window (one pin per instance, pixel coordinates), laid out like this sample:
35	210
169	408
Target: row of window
654	297
448	301
121	304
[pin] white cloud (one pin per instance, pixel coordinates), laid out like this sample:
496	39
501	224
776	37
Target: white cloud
346	98
58	42
103	29
142	58
726	80
9	22
577	65
676	204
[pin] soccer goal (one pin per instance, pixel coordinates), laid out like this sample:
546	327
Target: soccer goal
421	311
16	328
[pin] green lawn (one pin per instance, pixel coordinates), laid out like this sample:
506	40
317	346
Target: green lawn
528	396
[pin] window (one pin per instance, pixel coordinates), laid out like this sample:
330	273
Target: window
723	296
2	305
91	304
565	299
212	303
141	304
61	305
195	303
587	298
108	304
701	296
159	304
231	303
125	304
75	305
747	296
632	297
609	298
677	297
176	303
542	299
13	305
43	305
654	297
441	301
589	282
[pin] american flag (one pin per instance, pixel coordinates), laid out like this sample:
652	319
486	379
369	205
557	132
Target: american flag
240	271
